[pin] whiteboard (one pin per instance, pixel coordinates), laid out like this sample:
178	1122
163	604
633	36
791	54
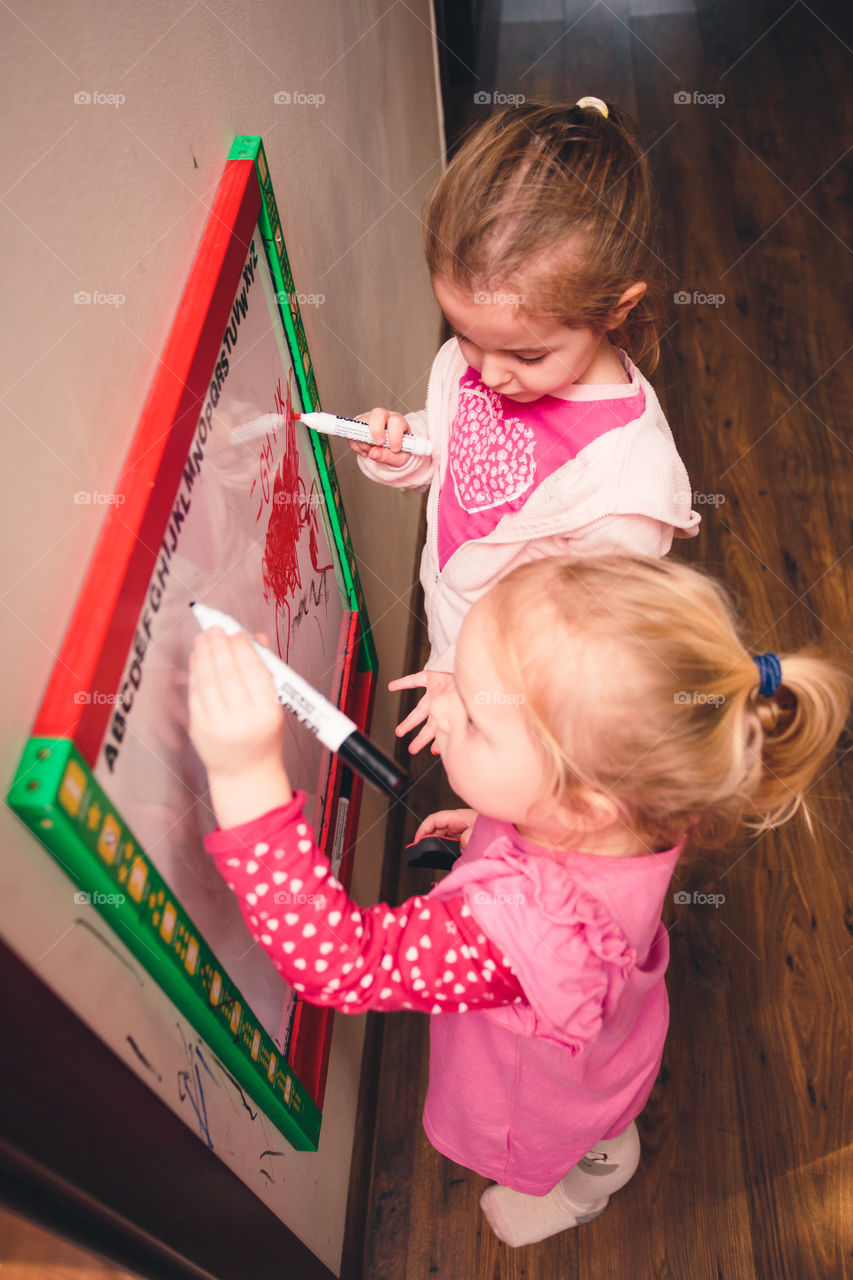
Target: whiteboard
248	535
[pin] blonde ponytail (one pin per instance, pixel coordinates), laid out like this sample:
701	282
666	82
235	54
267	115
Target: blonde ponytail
638	686
799	726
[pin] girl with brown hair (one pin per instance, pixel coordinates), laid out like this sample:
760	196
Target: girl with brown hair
546	437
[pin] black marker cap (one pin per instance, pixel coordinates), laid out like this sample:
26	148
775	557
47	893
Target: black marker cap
361	755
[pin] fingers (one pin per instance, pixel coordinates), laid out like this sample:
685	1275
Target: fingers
417	680
414	718
427	828
226	672
426	735
381	421
447	822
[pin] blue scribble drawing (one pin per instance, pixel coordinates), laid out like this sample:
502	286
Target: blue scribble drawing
190	1086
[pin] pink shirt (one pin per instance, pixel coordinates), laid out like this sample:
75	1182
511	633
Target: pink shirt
520	1093
544	977
500	451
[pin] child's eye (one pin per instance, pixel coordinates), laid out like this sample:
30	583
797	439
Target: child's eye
531	359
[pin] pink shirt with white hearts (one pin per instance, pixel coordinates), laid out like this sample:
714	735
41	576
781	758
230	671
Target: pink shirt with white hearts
500	450
427	955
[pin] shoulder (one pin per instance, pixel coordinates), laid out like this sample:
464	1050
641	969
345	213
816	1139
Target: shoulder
449	362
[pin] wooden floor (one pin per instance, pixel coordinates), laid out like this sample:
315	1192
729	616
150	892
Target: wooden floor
31	1252
748	1161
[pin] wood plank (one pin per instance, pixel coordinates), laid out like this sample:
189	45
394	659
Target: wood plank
746	1161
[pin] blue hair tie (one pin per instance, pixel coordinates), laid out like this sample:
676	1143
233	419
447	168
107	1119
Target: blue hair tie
770	670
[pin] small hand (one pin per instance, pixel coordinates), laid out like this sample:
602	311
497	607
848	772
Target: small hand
448	822
237	727
434	683
380	420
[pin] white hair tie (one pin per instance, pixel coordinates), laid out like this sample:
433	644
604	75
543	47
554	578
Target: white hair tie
595	103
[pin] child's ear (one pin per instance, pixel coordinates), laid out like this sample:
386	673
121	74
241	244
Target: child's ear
626	303
591	810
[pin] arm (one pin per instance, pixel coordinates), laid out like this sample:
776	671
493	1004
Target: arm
428	955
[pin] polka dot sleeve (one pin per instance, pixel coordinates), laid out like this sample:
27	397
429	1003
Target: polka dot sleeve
428	954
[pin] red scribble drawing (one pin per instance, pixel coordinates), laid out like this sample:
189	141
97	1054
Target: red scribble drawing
293	507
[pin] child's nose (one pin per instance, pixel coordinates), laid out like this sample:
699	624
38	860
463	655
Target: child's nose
492	371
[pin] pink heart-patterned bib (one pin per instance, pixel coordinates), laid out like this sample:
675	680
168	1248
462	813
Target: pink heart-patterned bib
491	457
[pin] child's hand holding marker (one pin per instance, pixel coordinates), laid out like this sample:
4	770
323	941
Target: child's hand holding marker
237	727
381	421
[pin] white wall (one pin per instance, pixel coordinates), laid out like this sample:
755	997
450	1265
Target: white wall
111	198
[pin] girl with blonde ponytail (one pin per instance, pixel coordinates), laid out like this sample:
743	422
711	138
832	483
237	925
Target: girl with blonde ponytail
603	712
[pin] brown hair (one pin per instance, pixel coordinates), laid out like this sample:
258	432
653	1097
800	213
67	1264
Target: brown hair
553	203
638	687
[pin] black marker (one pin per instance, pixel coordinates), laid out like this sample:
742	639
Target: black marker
335	730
